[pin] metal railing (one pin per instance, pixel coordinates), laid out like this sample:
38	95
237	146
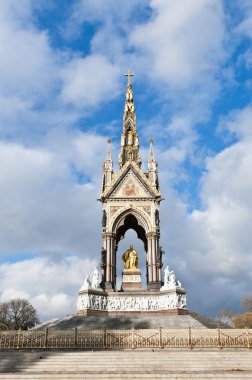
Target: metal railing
126	339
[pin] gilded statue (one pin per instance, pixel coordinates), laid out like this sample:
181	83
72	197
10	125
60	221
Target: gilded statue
130	258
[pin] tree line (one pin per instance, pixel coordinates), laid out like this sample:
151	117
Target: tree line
239	321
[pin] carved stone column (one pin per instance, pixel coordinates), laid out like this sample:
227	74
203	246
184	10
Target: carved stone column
113	268
154	271
109	270
149	260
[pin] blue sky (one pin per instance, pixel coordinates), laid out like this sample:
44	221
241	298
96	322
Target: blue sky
62	93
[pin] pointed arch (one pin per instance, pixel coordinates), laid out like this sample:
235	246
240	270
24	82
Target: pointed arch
141	217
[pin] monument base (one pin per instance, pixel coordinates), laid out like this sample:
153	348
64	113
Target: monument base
131	280
141	302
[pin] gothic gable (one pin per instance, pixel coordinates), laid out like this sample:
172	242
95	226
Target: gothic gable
131	183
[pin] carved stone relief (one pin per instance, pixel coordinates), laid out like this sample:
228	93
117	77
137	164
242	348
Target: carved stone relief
132	303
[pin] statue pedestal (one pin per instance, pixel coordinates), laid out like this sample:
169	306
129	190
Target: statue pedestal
131	280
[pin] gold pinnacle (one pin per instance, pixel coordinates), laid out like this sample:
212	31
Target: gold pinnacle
109	141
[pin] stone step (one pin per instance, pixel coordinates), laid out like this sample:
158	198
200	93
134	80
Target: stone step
169	362
129	370
133	361
144	364
123	360
112	367
134	358
108	361
177	375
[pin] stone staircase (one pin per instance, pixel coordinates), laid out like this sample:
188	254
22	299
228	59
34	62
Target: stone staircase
127	364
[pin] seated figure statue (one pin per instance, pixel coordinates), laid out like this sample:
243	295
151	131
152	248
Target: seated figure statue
92	281
130	258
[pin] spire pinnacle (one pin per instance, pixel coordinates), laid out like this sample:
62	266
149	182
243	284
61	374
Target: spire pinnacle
129	138
151	153
152	166
129	108
108	149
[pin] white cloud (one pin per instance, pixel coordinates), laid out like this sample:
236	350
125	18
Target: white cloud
245	25
107	12
210	247
44	203
28	66
227	197
39	82
179	54
238	122
89	81
50	285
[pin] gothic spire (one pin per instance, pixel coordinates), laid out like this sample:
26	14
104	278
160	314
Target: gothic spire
152	167
129	108
107	168
151	153
129	138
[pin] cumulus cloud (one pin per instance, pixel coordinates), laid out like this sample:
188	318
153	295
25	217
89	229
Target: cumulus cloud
50	285
245	25
89	81
43	87
178	53
237	122
211	246
43	192
28	65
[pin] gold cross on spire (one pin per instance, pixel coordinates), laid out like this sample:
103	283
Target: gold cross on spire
129	74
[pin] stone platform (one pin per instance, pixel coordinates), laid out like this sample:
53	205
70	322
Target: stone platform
140	302
124	323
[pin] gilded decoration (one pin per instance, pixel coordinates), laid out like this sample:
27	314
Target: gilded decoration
130	259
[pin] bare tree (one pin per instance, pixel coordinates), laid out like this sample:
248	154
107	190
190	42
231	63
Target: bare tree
225	315
247	303
17	314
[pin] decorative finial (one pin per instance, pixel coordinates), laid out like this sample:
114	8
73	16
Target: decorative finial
151	159
108	149
129	74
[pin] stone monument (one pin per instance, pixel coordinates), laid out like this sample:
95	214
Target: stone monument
130	200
